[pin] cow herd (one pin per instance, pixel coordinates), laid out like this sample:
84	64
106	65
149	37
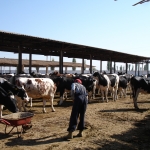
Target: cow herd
17	90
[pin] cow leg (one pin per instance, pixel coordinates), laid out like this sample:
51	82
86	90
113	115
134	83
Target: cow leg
93	92
61	96
51	101
89	96
106	94
61	100
44	104
65	95
125	93
102	95
113	94
135	99
19	104
1	108
30	102
24	105
116	94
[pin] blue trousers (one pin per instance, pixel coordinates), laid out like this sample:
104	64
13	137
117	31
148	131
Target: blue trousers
78	111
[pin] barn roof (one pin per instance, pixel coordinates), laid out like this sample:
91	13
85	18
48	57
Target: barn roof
9	42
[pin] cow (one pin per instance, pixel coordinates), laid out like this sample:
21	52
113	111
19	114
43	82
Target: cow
38	88
19	93
123	83
104	83
7	100
64	83
113	88
139	85
90	84
128	78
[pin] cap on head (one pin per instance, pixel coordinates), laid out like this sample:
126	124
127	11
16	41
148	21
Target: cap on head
78	81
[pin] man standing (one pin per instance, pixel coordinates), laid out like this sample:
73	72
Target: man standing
80	100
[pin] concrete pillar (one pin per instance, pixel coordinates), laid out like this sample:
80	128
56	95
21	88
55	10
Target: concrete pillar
30	62
61	62
91	64
114	67
82	68
19	70
135	68
37	69
110	66
138	69
65	69
147	64
126	67
100	66
23	67
9	69
46	70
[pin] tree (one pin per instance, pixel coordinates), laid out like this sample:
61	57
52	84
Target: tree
52	67
74	61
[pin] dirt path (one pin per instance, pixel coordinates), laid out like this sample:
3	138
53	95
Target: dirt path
112	125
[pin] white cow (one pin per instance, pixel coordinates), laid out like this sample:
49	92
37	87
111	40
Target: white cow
104	83
38	88
114	82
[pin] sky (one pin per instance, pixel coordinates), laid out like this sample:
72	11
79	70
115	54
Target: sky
109	24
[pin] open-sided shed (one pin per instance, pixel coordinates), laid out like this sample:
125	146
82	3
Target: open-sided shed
19	43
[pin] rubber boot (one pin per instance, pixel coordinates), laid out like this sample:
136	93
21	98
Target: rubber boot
69	136
80	134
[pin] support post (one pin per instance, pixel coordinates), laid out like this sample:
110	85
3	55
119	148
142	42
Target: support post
110	66
100	66
19	70
90	63
114	67
61	62
82	68
126	67
30	62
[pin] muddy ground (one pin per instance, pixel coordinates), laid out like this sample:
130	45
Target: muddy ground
109	126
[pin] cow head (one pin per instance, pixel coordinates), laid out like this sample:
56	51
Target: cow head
21	92
9	102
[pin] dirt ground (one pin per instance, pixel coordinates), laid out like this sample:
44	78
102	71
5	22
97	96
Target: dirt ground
109	126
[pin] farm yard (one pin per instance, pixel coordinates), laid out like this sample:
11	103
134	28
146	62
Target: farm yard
112	125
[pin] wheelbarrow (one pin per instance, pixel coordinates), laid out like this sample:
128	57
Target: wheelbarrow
22	119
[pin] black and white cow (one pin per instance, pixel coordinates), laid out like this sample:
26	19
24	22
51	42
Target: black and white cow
113	88
139	85
104	83
123	83
128	78
7	100
64	84
19	93
89	82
